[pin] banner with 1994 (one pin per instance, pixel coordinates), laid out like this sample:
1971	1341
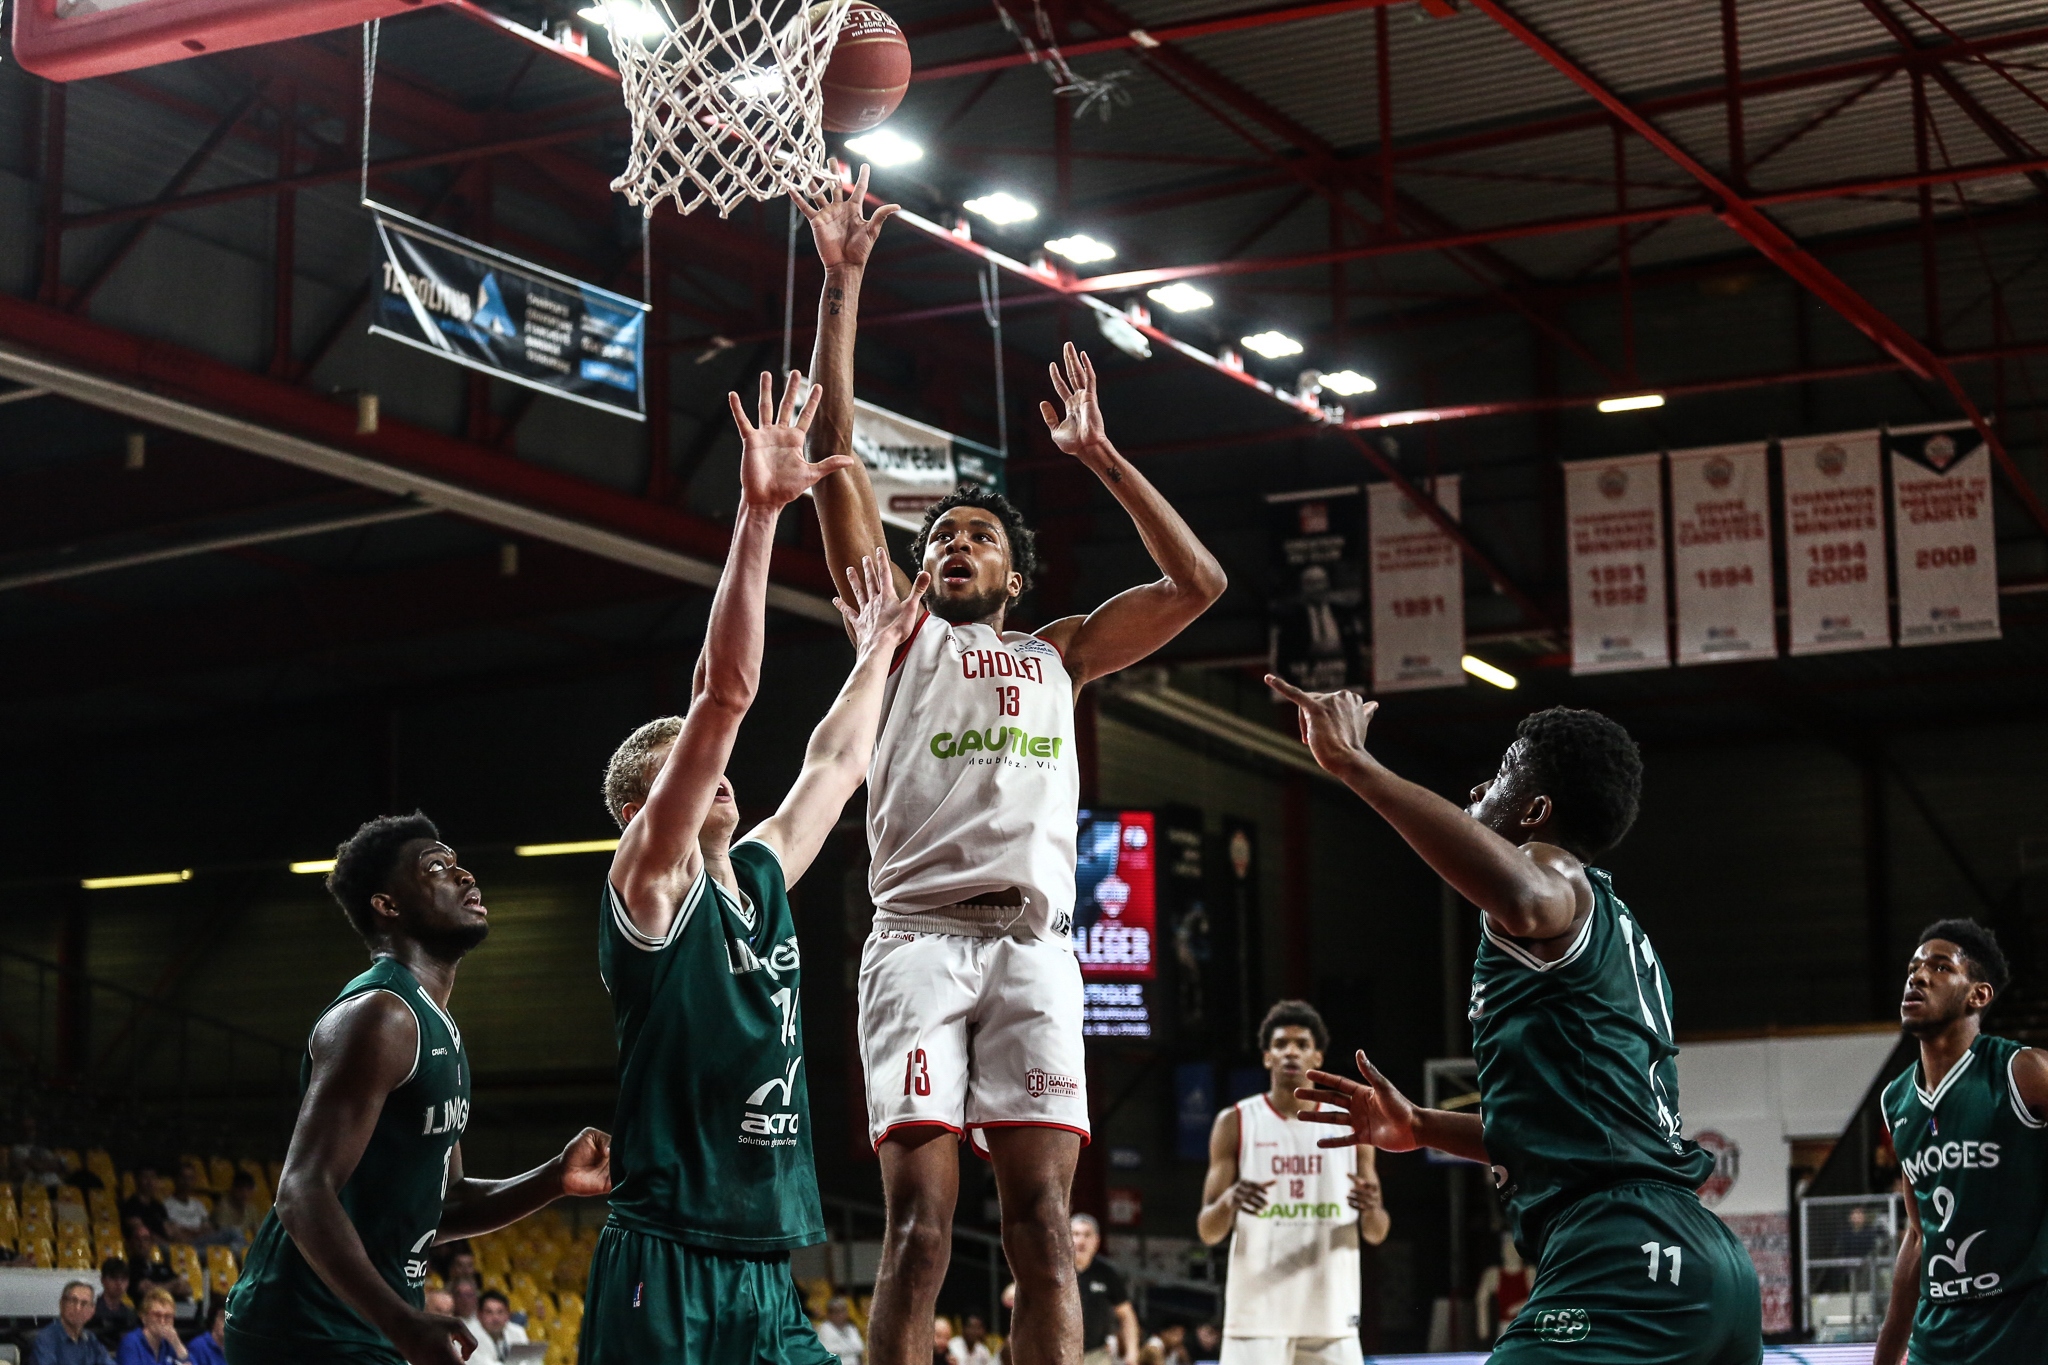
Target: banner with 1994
524	323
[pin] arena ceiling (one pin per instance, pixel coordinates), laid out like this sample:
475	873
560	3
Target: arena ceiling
1804	216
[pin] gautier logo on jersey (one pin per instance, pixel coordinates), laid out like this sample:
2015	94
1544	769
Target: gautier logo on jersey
997	739
1039	1083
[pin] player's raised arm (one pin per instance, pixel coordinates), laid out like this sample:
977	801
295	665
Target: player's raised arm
361	1051
658	857
836	760
1380	1116
1133	624
1533	890
847	512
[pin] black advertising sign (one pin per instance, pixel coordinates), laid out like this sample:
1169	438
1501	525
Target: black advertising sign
1317	545
478	307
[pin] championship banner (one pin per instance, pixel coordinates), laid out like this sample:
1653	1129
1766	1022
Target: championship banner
1418	591
1614	515
1721	554
1317	547
1834	544
1947	552
912	465
478	307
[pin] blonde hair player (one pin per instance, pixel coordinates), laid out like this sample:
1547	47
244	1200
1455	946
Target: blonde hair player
970	996
1295	1213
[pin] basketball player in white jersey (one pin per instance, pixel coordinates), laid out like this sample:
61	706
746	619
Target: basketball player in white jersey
1295	1212
970	996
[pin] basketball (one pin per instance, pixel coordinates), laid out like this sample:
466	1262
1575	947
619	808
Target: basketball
869	71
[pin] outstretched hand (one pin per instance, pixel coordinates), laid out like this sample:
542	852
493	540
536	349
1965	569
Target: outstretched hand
843	235
1080	431
1333	724
773	470
1377	1114
877	618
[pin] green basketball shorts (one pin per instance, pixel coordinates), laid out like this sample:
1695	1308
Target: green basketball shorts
2010	1329
1639	1274
652	1299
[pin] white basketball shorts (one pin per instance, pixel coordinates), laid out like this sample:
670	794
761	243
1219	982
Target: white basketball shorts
1292	1350
969	1033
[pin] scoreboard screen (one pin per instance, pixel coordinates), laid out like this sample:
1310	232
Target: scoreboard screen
1115	900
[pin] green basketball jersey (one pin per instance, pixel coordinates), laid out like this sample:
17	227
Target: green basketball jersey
393	1197
1578	1086
711	1144
1977	1161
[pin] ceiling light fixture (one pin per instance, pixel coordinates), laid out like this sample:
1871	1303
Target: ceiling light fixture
1002	208
574	846
1181	298
141	879
313	865
628	19
1081	249
1347	382
1272	345
884	148
1633	403
1486	672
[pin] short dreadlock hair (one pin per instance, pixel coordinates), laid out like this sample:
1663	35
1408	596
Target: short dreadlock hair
1591	771
630	775
1023	541
1293	1014
1983	959
364	865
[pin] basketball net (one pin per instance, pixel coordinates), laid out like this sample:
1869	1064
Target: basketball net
726	101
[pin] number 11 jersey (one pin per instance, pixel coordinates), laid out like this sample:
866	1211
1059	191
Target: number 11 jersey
1578	1082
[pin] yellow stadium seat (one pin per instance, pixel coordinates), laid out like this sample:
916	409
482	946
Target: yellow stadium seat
68	1159
536	1328
101	1164
220	1174
75	1256
492	1279
40	1253
127	1184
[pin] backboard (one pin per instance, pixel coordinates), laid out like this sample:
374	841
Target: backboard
69	40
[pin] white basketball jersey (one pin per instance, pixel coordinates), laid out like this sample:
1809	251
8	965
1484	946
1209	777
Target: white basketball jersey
974	787
1294	1264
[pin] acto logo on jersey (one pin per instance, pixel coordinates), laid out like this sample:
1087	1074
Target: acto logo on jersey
777	1125
1957	1282
416	1263
997	739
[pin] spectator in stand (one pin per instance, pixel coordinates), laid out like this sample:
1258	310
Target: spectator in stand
148	1268
495	1332
838	1334
1208	1347
66	1341
440	1302
971	1346
1109	1325
156	1341
237	1210
34	1162
1172	1341
147	1204
942	1342
211	1346
454	1261
464	1293
185	1215
112	1318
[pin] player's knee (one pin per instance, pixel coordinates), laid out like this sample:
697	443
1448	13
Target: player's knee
1036	1236
920	1238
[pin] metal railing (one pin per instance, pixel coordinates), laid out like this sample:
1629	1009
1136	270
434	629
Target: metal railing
1847	1246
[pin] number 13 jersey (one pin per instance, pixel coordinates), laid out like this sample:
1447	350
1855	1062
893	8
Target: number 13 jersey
1578	1078
974	788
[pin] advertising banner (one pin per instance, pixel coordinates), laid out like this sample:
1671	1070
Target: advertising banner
1947	552
1614	515
1116	916
912	465
1721	554
1835	543
478	307
1418	591
1316	542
